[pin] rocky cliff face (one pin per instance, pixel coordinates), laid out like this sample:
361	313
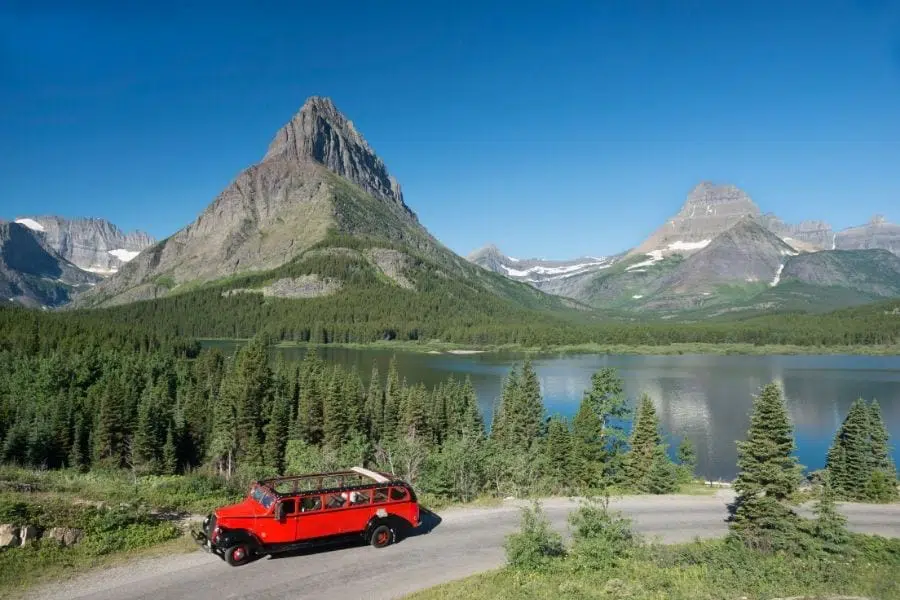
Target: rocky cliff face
319	175
94	245
32	274
877	233
873	271
558	277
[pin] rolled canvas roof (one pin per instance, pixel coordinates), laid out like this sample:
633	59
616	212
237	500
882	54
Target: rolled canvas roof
370	474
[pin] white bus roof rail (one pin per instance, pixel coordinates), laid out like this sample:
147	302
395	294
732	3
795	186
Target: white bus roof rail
370	474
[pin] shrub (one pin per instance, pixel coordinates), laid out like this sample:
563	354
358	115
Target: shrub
600	538
536	545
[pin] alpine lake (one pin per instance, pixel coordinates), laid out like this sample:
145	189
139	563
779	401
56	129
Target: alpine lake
707	398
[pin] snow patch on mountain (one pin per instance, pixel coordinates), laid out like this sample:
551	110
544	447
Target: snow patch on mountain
655	257
679	245
31	224
123	254
550	270
777	275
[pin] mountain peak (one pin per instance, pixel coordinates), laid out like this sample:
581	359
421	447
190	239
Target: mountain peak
320	133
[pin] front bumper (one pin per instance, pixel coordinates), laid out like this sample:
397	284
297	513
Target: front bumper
202	538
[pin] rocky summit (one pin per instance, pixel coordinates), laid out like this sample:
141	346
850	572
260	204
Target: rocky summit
91	244
319	175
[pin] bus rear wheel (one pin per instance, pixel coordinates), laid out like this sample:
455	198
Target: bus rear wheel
382	536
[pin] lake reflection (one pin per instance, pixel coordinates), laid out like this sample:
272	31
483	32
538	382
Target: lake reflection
706	398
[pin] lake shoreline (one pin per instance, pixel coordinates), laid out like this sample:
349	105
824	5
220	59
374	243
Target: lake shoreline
592	348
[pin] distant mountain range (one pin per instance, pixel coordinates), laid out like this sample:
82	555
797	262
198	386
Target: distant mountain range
721	254
319	216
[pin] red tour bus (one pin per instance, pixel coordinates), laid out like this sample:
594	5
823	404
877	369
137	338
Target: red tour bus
288	513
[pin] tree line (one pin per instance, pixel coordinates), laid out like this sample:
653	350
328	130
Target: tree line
75	393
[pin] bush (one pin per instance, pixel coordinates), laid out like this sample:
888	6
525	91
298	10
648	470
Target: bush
600	538
536	545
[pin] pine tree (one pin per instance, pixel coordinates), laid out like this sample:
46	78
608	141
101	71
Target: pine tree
145	441
687	460
505	410
558	459
336	427
530	420
170	453
392	401
276	433
354	401
414	421
310	408
375	405
645	439
76	457
252	392
588	451
607	399
438	418
109	433
223	437
662	478
768	476
469	422
878	434
850	457
830	526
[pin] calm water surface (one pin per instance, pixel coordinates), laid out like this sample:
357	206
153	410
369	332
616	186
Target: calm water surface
706	398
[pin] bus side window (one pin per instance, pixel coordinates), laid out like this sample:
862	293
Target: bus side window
398	493
335	500
290	506
381	495
358	498
310	503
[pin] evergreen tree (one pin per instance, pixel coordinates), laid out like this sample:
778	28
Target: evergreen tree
146	444
687	460
830	526
768	476
645	439
850	457
375	405
77	458
530	420
558	455
607	399
251	389
505	410
392	401
336	427
414	421
276	434
109	433
170	453
588	451
662	477
468	420
878	434
310	409
223	438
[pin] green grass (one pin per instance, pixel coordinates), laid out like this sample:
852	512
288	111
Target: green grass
119	514
700	570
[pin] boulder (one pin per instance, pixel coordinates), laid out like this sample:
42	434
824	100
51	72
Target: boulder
64	536
9	536
28	534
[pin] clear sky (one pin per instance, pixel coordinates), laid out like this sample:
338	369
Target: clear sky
552	129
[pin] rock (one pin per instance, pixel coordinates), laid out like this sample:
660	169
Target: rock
318	175
64	536
94	245
32	273
9	536
28	534
877	233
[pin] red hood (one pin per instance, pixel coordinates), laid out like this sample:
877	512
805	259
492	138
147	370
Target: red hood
243	509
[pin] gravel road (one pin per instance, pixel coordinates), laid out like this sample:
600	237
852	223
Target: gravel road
461	542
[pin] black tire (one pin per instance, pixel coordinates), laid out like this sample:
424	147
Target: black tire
382	535
238	555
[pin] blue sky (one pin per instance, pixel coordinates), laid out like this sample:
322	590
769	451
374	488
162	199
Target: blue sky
552	129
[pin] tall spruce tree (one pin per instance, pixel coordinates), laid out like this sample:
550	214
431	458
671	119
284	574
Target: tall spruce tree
276	432
607	399
687	460
169	465
768	475
830	526
469	422
393	393
849	460
558	455
878	434
310	407
336	427
645	439
375	405
587	440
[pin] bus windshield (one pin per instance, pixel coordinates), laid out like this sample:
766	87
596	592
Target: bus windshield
262	496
